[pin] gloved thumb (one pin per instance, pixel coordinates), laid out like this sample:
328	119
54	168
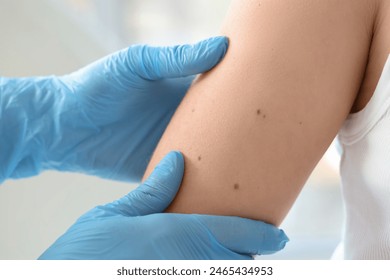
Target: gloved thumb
158	190
245	236
153	63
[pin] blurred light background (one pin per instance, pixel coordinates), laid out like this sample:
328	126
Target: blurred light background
46	37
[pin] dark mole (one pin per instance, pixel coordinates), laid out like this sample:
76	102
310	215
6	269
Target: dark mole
199	158
236	186
258	111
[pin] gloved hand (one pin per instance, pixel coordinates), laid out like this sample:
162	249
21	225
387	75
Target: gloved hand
133	227
105	119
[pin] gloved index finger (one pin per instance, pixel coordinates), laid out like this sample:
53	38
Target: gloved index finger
153	63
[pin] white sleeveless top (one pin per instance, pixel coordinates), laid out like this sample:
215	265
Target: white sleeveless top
365	176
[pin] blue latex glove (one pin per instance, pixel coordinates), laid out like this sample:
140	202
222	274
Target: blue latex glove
105	119
133	228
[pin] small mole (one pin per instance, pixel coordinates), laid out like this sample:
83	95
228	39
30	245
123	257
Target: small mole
300	123
199	158
236	186
258	111
264	116
193	110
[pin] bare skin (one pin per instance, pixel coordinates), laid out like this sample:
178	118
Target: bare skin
253	129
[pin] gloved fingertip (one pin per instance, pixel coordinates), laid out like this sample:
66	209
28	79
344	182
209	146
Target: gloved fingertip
285	239
158	190
221	43
169	172
274	242
217	47
172	162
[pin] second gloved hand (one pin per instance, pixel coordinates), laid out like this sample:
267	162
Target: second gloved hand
133	227
105	119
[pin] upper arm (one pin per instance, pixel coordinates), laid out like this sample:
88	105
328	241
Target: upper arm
254	127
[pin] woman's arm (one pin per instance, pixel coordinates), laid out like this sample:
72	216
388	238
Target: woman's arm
253	128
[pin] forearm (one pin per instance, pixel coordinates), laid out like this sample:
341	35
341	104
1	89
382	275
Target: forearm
253	129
